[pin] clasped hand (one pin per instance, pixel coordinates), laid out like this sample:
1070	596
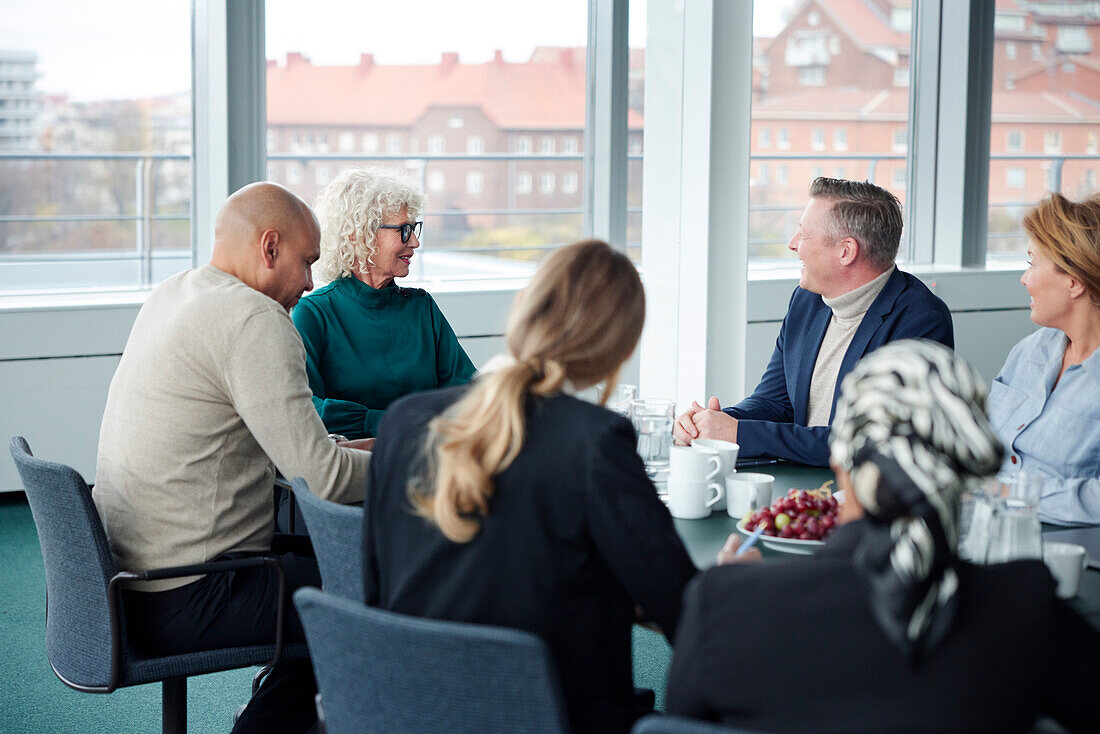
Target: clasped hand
708	422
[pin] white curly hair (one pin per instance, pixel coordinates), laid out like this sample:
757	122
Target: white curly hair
350	210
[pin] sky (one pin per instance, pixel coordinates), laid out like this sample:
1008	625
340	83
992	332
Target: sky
116	49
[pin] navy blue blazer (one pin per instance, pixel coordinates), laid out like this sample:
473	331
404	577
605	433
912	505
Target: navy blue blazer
772	421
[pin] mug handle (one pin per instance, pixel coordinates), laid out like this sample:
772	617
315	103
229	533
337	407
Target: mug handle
719	492
717	460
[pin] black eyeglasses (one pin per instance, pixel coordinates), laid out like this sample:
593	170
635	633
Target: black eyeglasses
406	229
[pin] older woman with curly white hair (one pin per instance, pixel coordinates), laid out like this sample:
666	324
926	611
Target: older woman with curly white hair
369	341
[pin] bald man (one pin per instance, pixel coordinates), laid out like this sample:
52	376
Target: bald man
209	399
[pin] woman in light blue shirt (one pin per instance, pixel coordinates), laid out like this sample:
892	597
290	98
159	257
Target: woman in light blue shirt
1045	403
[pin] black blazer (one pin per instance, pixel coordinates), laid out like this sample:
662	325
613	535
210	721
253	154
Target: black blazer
793	647
574	539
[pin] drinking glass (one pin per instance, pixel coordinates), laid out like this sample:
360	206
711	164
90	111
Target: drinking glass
620	398
653	420
1014	528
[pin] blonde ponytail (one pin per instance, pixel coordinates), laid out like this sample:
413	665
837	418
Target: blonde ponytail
578	319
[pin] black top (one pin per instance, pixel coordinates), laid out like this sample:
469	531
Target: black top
793	647
574	539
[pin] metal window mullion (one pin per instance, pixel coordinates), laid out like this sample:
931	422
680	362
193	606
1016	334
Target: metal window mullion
924	97
605	154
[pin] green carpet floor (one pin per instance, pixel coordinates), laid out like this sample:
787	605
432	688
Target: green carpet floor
33	700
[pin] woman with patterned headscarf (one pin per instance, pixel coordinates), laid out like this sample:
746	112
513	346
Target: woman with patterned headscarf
886	629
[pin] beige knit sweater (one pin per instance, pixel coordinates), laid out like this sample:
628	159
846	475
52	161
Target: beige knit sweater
209	398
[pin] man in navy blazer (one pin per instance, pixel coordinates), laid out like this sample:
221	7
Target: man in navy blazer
850	300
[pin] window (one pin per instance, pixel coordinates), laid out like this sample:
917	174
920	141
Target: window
782	177
897	179
475	144
322	175
393	143
272	140
569	183
523	144
293	173
840	172
900	140
783	139
812	76
764	137
475	182
901	76
523	183
370	142
1090	143
817	172
435	143
762	174
840	139
546	144
84	224
546	182
1010	51
322	143
456	123
1052	141
437	181
1090	180
569	144
1015	178
295	141
817	138
1073	39
1014	141
347	142
1036	52
834	45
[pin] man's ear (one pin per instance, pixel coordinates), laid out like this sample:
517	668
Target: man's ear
269	247
849	250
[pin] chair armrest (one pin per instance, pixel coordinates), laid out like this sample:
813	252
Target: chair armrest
194	569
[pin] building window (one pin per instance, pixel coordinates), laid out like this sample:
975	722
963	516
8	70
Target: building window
834	45
1014	141
347	142
569	144
783	139
435	143
1014	178
1036	52
636	144
901	138
295	141
456	123
293	173
523	183
762	174
322	175
393	143
546	182
1090	179
1052	141
898	178
370	142
782	176
901	76
812	76
817	138
436	181
840	172
569	183
523	144
475	182
840	139
475	144
764	137
322	142
816	172
1090	143
546	145
272	173
1010	51
272	139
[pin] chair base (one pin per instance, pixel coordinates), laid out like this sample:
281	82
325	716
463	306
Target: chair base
174	706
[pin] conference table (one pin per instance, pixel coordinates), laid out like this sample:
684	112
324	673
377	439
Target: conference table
704	538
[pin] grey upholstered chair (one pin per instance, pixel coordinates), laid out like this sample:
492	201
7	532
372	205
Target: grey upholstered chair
337	534
85	625
380	671
661	724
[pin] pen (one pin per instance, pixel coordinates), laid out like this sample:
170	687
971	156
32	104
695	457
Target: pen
752	539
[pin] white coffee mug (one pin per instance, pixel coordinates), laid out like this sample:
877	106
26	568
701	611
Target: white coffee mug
690	464
690	501
727	452
747	492
1066	561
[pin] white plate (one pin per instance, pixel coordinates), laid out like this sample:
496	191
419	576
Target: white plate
785	545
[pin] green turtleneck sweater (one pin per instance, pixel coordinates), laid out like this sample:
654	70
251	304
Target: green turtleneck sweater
367	347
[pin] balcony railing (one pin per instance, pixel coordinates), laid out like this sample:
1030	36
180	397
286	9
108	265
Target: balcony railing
143	265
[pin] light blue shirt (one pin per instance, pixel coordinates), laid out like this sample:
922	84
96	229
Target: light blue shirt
1051	430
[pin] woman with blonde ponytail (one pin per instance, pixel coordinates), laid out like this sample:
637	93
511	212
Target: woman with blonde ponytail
511	502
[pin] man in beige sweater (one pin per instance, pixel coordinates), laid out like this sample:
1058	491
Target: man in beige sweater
209	399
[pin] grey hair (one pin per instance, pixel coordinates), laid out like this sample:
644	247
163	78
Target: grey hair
869	214
351	209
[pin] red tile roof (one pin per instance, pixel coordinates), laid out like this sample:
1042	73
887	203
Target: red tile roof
864	24
533	95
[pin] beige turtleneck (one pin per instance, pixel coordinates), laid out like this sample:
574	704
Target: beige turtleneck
848	311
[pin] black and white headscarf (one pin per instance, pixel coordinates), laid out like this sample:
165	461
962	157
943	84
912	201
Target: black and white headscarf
911	429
